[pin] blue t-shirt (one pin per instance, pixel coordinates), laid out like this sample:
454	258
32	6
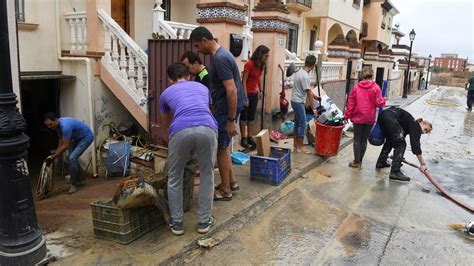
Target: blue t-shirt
189	103
73	130
224	67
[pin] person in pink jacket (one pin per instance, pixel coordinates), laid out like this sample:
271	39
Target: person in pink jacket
361	109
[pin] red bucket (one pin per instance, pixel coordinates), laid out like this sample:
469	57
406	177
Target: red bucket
328	139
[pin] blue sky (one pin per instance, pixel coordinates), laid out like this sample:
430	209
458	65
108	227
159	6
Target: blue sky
441	26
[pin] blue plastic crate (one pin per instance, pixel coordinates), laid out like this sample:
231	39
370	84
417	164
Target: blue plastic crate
273	169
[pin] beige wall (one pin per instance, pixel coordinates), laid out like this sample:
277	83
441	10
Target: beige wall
320	9
373	17
38	48
141	21
184	11
345	13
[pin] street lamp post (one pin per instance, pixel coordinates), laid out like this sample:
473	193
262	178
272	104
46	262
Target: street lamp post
21	241
405	88
428	75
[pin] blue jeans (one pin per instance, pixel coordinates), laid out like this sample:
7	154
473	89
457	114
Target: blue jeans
223	138
300	118
75	151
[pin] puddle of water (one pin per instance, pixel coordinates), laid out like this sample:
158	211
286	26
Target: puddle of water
55	246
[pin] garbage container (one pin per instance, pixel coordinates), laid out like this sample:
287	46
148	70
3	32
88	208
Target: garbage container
328	139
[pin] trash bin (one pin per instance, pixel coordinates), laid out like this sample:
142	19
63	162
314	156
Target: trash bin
328	139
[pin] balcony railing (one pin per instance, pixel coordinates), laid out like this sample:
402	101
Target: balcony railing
78	31
301	5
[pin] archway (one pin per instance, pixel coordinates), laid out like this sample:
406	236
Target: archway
334	31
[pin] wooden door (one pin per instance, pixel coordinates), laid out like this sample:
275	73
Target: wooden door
120	13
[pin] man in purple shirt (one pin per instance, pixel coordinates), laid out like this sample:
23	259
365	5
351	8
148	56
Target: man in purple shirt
192	130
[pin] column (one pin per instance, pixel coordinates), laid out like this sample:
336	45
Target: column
270	28
95	30
21	241
222	18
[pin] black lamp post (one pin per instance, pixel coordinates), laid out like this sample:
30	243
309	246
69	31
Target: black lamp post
412	35
428	75
21	241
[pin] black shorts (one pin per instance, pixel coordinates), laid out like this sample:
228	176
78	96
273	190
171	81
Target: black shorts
247	116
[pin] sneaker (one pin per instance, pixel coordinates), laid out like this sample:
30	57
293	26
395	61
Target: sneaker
203	228
399	176
176	228
68	179
244	143
251	142
72	189
353	164
469	109
382	165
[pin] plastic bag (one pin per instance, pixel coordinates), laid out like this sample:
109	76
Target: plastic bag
287	127
239	157
376	136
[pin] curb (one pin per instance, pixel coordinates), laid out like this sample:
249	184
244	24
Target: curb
224	230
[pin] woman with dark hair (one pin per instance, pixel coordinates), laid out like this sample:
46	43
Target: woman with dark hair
252	81
361	109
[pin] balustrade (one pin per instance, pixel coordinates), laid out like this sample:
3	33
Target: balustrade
78	31
125	60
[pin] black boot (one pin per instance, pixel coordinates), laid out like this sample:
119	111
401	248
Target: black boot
251	142
244	143
382	165
399	176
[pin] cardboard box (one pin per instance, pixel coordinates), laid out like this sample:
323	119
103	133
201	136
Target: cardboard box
263	143
286	143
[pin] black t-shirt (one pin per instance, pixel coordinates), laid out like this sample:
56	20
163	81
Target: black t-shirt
224	67
410	127
203	78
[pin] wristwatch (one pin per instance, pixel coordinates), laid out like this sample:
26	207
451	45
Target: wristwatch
231	119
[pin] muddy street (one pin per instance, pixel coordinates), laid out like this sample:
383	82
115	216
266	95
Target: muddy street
338	215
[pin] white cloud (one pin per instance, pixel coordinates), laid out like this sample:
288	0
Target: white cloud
441	26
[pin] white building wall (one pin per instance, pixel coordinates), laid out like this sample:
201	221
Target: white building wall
38	48
345	12
141	21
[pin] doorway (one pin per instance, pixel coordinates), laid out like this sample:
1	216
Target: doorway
38	97
312	40
121	14
379	76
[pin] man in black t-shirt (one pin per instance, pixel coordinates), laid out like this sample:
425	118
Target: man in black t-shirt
396	124
196	67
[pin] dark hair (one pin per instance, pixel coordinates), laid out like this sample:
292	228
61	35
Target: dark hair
310	61
192	57
177	71
50	116
200	33
258	54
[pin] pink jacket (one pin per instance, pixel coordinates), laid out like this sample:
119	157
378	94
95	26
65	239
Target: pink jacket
362	102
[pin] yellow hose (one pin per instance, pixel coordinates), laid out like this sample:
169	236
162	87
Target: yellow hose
440	103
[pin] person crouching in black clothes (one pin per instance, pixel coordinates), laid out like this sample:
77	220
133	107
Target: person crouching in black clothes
396	123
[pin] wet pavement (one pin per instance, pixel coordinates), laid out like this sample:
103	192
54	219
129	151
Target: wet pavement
339	215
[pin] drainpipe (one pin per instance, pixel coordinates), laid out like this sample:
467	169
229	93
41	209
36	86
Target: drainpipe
90	92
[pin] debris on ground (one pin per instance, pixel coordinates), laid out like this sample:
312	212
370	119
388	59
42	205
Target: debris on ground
208	242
